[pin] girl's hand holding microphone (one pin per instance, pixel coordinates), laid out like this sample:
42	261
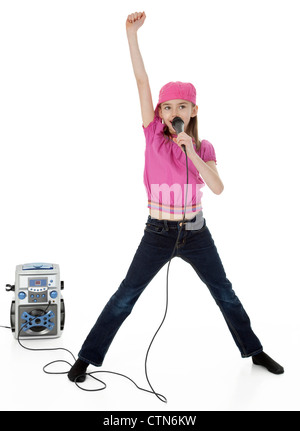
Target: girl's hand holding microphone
186	140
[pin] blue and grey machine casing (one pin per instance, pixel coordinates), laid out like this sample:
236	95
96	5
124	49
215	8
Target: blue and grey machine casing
38	310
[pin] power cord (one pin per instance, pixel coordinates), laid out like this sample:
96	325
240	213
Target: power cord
91	374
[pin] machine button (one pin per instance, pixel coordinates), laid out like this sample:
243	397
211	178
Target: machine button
22	295
53	294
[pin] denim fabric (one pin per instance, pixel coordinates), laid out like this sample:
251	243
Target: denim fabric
195	247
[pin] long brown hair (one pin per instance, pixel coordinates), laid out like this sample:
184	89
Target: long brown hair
192	130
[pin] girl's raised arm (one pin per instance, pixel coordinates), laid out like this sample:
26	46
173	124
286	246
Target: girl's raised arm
133	23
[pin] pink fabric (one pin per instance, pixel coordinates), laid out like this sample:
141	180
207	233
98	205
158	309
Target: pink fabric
165	172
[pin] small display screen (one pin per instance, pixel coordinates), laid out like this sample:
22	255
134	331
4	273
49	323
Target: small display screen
38	282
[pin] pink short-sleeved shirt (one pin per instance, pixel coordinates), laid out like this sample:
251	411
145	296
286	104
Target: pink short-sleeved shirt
165	172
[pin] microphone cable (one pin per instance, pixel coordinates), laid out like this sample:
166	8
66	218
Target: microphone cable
91	374
167	279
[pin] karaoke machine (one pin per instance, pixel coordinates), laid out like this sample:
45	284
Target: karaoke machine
38	309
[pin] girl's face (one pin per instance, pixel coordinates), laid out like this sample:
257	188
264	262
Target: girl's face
177	108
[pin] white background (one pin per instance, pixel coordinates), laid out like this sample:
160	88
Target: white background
71	190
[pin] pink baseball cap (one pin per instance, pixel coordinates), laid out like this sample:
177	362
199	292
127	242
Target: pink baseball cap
177	90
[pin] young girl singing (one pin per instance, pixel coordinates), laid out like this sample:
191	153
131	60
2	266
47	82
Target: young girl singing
175	217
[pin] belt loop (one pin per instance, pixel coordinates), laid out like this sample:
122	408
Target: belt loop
166	225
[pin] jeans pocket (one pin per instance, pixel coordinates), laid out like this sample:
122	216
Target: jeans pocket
152	228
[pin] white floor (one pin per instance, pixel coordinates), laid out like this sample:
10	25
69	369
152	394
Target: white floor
193	362
203	383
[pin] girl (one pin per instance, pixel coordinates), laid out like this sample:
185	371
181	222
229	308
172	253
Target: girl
175	226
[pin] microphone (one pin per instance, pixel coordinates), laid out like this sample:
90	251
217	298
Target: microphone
178	126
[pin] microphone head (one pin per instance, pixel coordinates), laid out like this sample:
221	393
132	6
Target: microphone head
178	125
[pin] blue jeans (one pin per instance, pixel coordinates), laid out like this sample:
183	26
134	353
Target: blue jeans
195	247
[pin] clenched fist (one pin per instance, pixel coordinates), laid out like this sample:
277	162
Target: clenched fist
135	21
